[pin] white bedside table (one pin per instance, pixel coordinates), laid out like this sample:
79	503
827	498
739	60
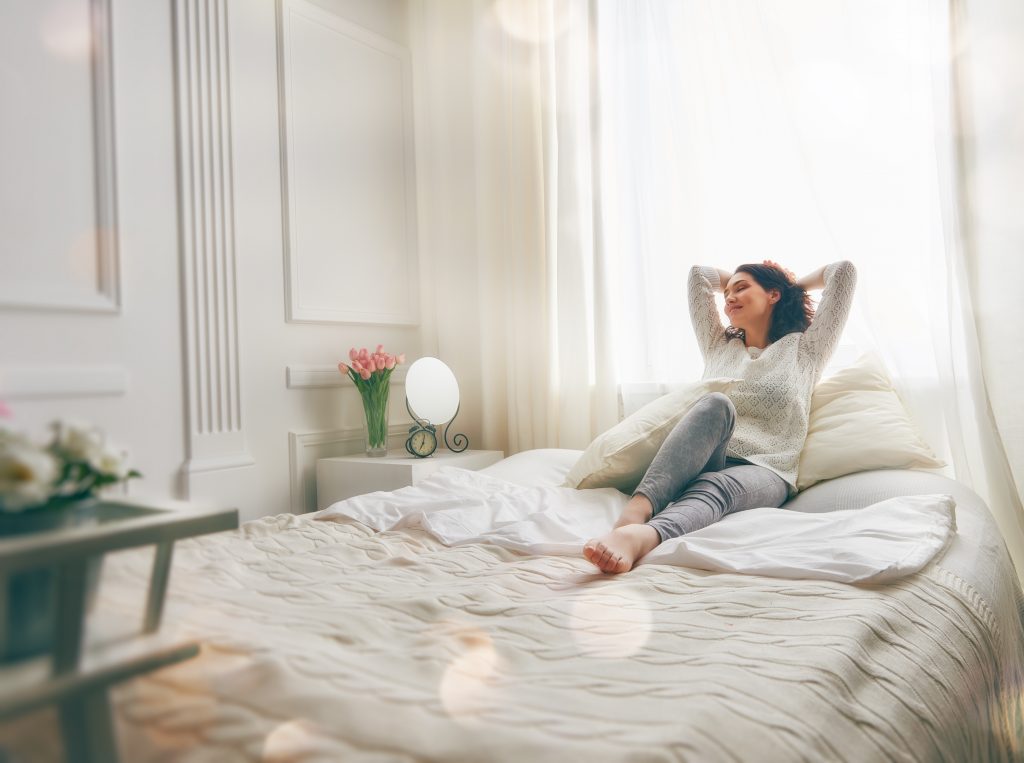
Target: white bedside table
345	476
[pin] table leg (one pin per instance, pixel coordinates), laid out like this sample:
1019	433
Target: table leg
88	728
158	586
68	623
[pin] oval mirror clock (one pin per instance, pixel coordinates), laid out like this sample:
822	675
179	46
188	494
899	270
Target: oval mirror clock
432	399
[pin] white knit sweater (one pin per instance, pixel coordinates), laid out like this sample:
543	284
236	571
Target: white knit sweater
774	397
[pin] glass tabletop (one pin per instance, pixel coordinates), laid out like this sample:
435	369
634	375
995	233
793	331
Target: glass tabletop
96	527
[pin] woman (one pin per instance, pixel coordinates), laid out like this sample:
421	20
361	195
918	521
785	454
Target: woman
737	451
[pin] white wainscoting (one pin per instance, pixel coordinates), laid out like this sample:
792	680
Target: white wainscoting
58	201
304	448
30	382
348	171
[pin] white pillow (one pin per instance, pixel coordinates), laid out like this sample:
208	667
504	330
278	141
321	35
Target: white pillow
544	467
857	423
620	457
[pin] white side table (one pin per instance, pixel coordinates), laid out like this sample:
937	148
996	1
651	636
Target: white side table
345	476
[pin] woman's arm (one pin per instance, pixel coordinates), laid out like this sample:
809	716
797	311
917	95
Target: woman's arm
723	279
707	323
839	281
813	280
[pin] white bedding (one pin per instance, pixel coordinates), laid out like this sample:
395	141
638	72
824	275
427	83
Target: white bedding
329	641
880	543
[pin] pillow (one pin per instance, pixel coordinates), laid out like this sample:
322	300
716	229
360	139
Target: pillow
857	423
544	467
620	457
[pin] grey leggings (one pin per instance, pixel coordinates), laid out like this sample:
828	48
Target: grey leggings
692	483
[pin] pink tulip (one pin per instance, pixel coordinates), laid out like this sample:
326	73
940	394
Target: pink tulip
357	366
379	348
364	375
380	363
343	368
390	362
364	354
5	412
401	358
352	354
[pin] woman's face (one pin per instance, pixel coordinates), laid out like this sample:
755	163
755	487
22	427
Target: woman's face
747	304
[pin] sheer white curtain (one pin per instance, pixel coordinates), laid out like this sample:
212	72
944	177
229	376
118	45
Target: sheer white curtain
513	204
804	131
725	124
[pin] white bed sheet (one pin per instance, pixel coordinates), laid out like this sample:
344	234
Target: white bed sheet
879	543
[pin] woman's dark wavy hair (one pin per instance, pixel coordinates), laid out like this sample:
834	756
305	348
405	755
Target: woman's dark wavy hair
793	312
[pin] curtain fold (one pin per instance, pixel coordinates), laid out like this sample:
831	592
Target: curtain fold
979	455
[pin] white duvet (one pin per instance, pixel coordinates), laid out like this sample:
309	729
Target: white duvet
880	543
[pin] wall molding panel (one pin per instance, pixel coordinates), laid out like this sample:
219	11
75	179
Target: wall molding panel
311	377
347	171
216	438
104	295
304	448
36	382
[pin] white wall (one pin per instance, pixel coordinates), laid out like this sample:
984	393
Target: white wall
139	341
189	370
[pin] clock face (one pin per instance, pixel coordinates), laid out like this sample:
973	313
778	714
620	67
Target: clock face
423	443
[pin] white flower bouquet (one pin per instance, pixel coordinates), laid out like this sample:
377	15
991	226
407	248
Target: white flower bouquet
76	463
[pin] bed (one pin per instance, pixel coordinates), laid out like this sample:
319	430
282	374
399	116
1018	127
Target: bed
328	641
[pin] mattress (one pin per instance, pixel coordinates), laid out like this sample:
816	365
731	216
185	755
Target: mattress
329	641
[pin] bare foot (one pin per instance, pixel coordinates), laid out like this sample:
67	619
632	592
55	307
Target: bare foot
620	549
637	511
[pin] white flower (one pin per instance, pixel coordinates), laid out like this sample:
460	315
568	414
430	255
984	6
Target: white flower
78	442
27	473
111	462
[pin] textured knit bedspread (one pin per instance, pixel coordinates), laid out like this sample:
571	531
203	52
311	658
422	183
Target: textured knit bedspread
325	641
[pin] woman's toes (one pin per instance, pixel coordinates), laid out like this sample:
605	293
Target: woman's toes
611	553
607	562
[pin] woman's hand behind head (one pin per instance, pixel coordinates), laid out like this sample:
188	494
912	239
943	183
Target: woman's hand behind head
788	273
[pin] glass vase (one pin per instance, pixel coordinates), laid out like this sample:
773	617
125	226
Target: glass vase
31	595
375	408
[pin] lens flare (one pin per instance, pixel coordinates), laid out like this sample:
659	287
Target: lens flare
290	741
610	624
467	685
83	256
67	31
525	20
